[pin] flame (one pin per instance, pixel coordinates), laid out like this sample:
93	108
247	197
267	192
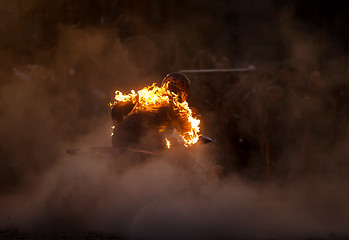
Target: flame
168	143
151	98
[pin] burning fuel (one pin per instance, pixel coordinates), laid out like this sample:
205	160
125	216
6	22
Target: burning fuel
168	143
155	99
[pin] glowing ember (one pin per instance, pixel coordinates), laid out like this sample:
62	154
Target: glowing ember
151	98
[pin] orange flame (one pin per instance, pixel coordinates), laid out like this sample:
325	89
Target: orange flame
168	143
151	98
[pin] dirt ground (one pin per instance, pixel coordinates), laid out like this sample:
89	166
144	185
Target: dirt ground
17	234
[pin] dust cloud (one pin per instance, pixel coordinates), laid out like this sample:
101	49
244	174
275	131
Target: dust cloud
166	198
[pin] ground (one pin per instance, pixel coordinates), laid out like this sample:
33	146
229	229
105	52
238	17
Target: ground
17	234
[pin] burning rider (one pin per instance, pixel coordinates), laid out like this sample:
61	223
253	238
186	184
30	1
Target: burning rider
148	119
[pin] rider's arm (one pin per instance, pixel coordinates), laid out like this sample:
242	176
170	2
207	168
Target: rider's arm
120	109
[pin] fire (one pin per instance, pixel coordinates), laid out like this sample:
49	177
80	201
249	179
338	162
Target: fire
168	143
151	98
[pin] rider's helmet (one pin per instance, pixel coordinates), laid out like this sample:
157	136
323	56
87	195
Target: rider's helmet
177	83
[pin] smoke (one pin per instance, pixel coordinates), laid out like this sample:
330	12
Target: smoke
56	98
161	198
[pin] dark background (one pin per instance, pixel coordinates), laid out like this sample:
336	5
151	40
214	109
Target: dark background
245	32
